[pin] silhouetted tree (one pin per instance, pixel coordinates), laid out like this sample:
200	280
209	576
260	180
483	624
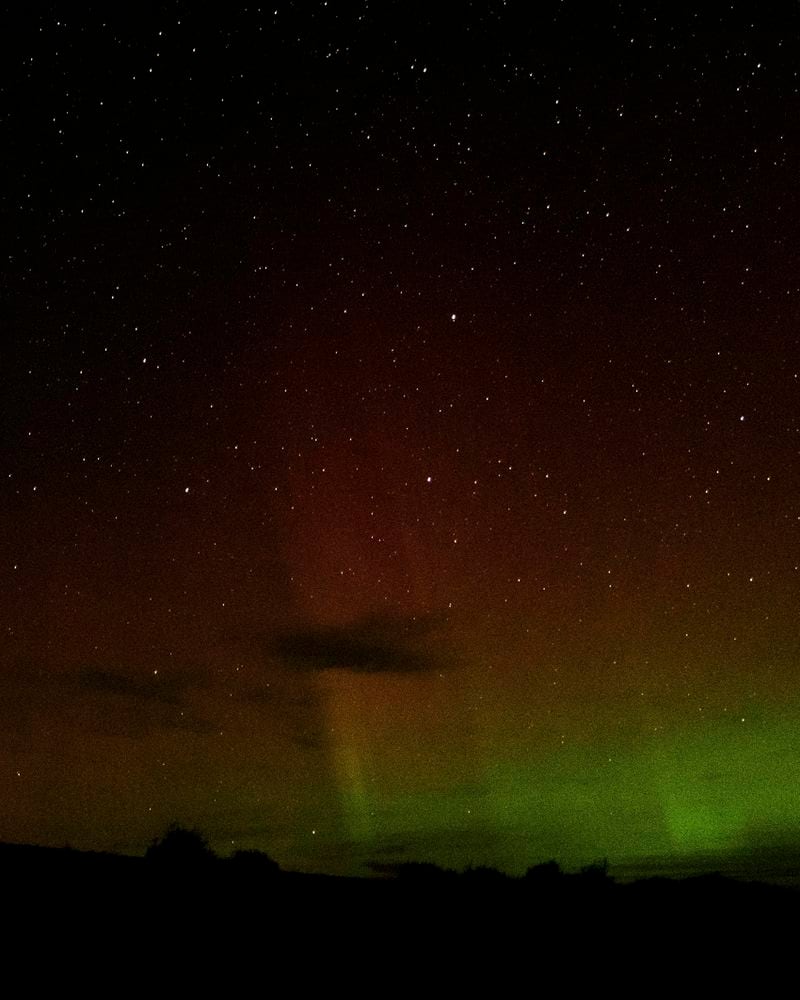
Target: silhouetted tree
596	873
180	848
545	875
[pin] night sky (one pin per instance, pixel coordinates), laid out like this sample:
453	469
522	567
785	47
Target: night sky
401	431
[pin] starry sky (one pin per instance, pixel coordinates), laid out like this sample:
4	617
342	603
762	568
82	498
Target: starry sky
401	431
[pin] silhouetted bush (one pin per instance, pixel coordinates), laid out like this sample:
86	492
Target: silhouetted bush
180	848
596	873
545	875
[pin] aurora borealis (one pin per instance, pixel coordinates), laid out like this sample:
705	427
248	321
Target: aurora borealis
401	433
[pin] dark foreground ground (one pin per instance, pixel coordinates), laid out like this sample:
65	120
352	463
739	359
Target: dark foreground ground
114	917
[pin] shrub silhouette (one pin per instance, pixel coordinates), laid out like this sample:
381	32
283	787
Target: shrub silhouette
545	875
180	848
482	875
596	873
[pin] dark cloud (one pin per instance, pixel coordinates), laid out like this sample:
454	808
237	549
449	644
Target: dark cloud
166	691
97	699
370	646
392	849
775	844
139	704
